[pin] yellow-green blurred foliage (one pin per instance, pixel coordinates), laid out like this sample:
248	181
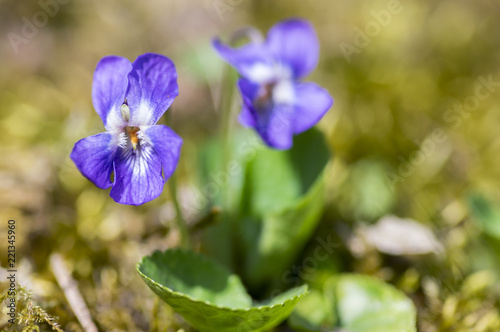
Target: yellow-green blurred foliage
391	96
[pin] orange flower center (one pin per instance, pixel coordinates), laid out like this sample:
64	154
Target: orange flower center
132	134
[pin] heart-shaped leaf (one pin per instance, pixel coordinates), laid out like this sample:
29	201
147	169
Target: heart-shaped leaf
208	296
358	304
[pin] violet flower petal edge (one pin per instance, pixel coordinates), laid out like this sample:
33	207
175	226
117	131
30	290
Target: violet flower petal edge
152	88
167	145
294	42
109	88
93	156
311	104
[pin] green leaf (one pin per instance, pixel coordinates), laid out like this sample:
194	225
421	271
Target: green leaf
271	184
276	179
313	313
273	242
366	304
222	185
487	248
282	203
355	303
486	214
208	296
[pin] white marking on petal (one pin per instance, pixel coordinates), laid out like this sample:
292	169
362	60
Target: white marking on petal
143	138
143	115
137	160
284	93
282	72
121	139
114	121
261	73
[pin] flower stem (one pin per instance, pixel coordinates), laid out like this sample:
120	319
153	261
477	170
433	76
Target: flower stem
226	106
181	222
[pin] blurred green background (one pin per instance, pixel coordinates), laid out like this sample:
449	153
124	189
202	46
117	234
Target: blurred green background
403	144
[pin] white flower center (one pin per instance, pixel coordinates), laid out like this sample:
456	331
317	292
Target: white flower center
283	92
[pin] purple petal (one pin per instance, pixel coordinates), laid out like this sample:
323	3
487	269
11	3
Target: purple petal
167	145
248	91
276	127
137	176
294	42
152	88
311	103
93	156
246	116
273	122
246	58
109	88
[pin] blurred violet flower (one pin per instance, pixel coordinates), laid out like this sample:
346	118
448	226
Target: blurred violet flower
130	98
275	103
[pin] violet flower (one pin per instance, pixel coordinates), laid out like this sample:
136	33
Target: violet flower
275	103
130	98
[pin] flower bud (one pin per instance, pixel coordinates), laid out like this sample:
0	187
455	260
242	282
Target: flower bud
125	110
